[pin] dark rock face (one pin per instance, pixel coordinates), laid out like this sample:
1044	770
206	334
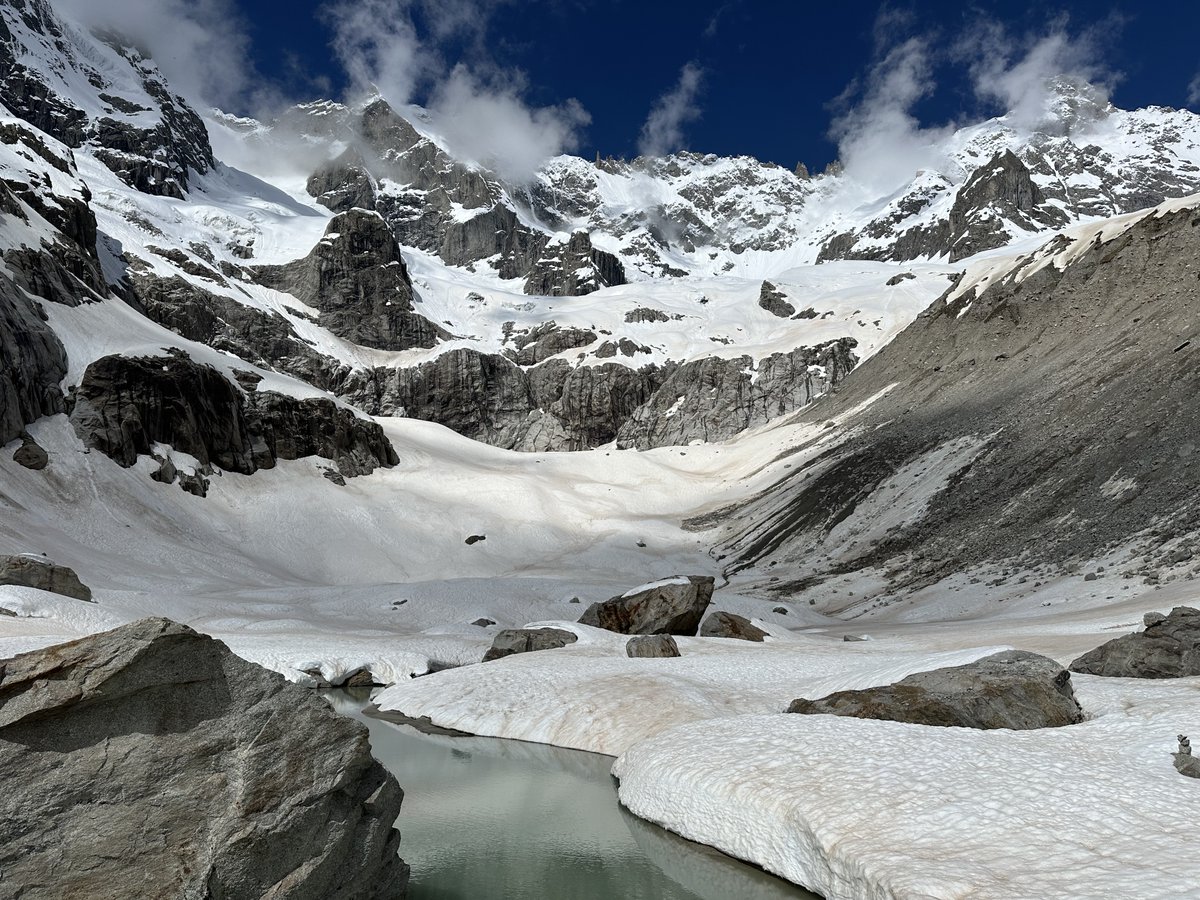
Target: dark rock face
669	607
1000	190
343	184
152	150
730	625
527	640
652	646
712	399
208	753
356	277
1013	689
549	340
573	269
774	301
36	572
33	363
1168	648
123	406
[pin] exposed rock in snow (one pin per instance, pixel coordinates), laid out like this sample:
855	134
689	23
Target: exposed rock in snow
30	454
774	301
527	640
33	571
652	646
673	606
32	363
1014	689
1168	648
723	624
206	752
573	268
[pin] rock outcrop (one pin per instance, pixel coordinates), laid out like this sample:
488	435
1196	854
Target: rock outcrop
1013	689
1168	648
124	406
356	277
652	646
150	761
672	606
573	268
723	624
775	301
33	363
27	570
527	640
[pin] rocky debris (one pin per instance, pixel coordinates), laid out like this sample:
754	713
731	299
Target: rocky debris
1012	689
30	454
32	571
573	269
356	277
151	149
527	640
782	610
774	301
712	399
900	279
672	606
484	623
1168	648
210	754
124	406
999	193
1009	389
1184	761
647	314
723	624
475	539
651	646
33	363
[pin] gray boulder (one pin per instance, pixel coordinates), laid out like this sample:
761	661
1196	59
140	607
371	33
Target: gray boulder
651	646
36	572
150	761
1185	763
1013	689
729	625
527	640
673	606
31	455
1168	648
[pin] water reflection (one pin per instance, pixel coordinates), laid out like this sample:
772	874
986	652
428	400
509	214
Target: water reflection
519	821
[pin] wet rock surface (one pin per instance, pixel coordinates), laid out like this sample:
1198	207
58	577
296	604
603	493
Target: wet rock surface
27	570
527	640
723	624
1013	689
1169	647
674	606
208	753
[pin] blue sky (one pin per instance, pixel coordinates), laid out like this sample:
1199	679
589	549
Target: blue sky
768	79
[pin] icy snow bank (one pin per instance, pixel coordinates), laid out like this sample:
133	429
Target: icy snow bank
858	808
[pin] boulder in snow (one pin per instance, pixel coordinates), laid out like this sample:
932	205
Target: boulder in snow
651	646
671	606
527	640
36	572
150	761
1013	689
1168	648
729	625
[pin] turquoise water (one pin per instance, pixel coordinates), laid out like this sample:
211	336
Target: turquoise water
488	818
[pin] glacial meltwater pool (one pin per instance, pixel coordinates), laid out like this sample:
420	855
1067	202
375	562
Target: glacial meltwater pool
490	819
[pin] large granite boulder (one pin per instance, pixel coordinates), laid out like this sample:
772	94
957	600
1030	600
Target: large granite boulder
150	761
672	606
730	625
1013	689
527	640
1168	648
35	572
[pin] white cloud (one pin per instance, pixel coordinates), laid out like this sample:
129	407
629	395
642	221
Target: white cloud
880	142
201	46
477	107
1193	98
662	132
